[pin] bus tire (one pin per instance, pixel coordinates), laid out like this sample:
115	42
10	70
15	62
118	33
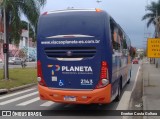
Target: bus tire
129	78
118	97
128	82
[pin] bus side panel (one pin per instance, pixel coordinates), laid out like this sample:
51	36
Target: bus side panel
108	53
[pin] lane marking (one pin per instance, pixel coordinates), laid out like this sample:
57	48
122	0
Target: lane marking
10	95
29	101
47	104
136	79
124	102
19	98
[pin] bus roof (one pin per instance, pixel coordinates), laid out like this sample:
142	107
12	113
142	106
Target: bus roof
73	10
88	21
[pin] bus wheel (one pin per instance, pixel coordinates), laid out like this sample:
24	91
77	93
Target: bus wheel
129	78
119	93
128	81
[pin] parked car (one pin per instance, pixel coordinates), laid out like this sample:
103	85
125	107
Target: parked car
15	60
30	59
135	61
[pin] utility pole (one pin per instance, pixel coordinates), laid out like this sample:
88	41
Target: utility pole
28	41
6	74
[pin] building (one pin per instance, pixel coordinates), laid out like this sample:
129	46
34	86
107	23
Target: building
140	52
28	47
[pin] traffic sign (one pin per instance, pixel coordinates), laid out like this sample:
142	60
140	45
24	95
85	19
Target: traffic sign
153	47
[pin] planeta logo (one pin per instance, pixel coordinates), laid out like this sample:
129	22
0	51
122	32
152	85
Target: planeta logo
54	68
77	68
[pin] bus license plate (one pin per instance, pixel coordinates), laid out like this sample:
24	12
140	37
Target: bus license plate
69	98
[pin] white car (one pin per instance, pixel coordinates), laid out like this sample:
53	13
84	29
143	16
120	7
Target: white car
15	60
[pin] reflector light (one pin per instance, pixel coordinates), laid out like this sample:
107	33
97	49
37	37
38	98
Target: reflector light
104	78
38	79
104	81
39	73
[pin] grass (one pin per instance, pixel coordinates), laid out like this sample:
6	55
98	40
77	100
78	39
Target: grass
18	77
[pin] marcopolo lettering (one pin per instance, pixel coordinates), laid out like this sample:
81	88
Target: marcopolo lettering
77	68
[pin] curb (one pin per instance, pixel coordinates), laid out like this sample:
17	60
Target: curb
144	106
137	79
130	100
3	91
143	96
16	88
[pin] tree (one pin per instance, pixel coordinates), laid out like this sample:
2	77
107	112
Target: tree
132	52
24	25
22	53
154	10
14	10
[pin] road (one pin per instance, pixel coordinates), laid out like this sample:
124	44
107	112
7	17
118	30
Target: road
28	100
29	64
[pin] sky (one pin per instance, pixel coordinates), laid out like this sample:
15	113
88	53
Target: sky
127	13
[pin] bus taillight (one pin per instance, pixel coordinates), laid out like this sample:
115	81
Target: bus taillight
40	74
104	76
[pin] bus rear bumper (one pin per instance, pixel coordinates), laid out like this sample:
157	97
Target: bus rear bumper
101	96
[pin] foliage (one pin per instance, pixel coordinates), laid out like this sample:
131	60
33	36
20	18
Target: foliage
22	53
154	9
132	52
14	9
24	25
141	56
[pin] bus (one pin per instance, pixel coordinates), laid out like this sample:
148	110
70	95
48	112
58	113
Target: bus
82	57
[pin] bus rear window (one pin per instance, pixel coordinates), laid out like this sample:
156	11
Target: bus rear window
90	23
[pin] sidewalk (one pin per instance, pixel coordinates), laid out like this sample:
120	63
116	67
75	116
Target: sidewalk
151	88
